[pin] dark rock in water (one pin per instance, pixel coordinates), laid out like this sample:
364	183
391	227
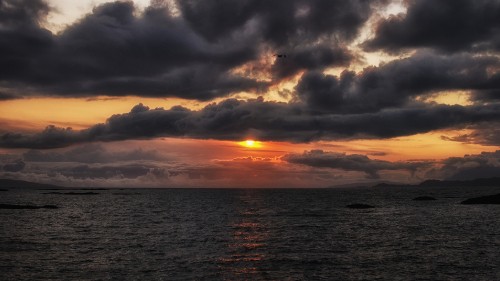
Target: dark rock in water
424	198
359	206
12	206
490	199
72	193
126	193
50	207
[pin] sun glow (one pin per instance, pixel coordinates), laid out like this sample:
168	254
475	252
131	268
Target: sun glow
251	144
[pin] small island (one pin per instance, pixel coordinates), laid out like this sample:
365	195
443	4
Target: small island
71	193
424	198
359	206
489	199
31	207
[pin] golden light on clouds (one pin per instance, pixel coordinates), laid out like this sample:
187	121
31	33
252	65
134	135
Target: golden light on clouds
76	112
448	97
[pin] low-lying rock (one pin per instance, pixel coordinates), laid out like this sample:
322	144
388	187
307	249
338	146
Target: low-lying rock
424	198
13	206
71	193
489	199
359	206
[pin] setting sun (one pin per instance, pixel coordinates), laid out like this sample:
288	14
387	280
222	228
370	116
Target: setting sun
250	144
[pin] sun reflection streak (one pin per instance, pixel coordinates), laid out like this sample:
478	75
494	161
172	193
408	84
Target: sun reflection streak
247	248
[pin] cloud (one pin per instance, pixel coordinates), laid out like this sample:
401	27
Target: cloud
92	153
191	52
233	119
447	25
310	58
72	167
6	96
483	165
130	171
312	34
15	166
352	162
278	22
116	51
397	83
486	133
22	41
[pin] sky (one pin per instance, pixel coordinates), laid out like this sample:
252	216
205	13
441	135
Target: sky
249	93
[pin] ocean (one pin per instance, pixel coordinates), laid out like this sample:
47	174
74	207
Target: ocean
250	234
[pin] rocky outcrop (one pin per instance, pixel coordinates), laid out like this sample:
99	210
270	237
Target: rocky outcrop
359	206
490	199
13	206
424	198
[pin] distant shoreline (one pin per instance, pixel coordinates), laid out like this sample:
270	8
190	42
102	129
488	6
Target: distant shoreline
6	184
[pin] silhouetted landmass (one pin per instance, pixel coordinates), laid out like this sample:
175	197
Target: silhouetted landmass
490	199
359	206
71	188
8	183
385	184
424	198
1	189
12	206
448	183
71	193
451	183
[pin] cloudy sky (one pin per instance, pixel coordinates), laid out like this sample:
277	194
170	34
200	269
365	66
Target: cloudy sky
248	93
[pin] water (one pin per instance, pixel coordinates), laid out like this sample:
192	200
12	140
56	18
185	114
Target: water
244	234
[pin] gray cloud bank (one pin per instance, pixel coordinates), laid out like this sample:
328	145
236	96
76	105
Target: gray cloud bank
446	25
117	50
192	53
104	165
236	120
352	162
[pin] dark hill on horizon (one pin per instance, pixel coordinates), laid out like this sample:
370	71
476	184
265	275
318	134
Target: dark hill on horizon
10	183
449	183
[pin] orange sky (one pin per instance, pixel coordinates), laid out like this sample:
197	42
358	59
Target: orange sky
320	67
36	113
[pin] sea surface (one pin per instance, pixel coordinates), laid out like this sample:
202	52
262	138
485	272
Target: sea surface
251	234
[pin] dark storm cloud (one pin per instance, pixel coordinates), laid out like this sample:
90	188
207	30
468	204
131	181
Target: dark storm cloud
484	165
278	22
5	96
15	166
352	162
113	51
117	50
307	32
234	119
106	172
50	137
396	83
492	94
22	41
92	153
448	25
310	58
482	133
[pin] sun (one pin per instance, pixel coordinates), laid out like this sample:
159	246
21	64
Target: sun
250	144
